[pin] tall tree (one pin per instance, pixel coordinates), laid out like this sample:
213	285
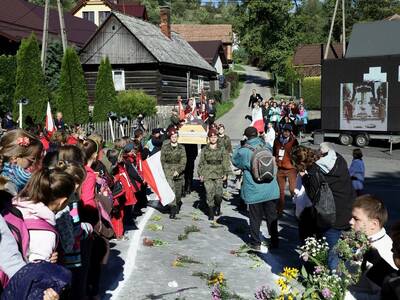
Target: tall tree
8	68
105	95
30	80
72	98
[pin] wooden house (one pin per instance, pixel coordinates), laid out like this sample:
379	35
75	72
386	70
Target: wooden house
143	56
208	32
213	53
97	11
19	18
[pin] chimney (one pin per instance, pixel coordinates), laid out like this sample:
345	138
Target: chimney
165	21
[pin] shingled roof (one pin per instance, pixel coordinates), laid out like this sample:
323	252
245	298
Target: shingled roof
210	50
19	18
169	51
201	32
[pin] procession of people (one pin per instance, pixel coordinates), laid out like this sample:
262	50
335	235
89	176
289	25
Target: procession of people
65	195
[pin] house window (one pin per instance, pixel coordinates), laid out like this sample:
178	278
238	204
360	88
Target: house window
103	16
88	15
119	79
200	85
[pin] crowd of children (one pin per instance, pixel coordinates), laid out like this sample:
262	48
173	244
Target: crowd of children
63	199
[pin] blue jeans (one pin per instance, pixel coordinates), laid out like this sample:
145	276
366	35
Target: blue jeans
332	236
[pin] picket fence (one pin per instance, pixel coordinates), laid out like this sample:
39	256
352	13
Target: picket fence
103	128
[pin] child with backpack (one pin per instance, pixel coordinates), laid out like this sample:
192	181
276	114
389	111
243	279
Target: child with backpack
45	194
20	154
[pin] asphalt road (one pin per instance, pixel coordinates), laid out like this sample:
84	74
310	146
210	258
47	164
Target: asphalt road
234	120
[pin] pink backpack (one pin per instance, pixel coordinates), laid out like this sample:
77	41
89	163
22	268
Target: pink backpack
20	230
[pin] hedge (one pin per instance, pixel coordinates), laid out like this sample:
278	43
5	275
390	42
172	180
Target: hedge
311	92
131	103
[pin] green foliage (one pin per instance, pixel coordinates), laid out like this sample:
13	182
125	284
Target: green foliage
105	95
216	95
131	103
222	108
53	65
30	80
8	68
67	4
192	11
311	92
72	98
238	67
240	56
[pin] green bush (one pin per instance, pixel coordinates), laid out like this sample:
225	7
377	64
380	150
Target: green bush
311	92
8	69
72	98
216	95
105	95
30	81
131	103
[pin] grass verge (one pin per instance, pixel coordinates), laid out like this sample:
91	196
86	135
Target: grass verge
238	67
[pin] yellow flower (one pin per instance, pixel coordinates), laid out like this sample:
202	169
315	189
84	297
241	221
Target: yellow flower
174	263
281	297
290	273
290	297
282	284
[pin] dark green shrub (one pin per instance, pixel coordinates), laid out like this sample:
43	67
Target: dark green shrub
131	103
105	95
8	69
311	92
30	81
216	95
72	98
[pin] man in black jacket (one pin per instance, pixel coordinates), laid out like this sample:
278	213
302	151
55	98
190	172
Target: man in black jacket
254	98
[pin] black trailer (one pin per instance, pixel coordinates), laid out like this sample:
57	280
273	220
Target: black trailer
360	94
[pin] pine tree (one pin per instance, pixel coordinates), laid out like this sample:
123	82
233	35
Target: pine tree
105	95
30	81
72	98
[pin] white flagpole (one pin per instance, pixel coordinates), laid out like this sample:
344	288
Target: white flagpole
112	129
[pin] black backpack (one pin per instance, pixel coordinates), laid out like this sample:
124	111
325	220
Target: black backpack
324	205
262	164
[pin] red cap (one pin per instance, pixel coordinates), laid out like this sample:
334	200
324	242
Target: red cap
172	131
212	132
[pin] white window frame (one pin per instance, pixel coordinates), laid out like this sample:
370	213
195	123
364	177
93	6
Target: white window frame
88	19
119	86
200	85
105	12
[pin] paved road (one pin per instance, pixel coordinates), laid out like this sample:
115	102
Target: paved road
234	120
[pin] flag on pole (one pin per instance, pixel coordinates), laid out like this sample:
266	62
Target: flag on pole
181	110
153	174
50	127
258	120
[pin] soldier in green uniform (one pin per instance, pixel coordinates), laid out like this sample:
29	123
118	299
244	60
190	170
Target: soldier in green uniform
173	160
213	169
223	139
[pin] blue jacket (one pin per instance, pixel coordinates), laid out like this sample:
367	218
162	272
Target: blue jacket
251	191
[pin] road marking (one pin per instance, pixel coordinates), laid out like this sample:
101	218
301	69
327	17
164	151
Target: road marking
131	255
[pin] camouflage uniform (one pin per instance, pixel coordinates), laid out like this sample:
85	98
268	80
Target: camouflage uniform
174	159
213	166
225	142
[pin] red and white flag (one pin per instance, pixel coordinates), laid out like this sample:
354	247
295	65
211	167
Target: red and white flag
181	110
258	120
50	127
153	174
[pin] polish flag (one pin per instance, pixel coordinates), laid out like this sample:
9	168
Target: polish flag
258	120
181	110
153	174
50	127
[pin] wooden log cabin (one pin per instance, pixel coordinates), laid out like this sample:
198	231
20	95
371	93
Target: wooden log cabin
144	56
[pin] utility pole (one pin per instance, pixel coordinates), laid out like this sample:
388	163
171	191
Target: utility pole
45	34
343	28
331	30
62	26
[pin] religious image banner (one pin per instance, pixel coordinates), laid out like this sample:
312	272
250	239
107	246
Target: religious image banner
363	106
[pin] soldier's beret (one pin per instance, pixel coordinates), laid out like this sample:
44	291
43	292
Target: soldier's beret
212	132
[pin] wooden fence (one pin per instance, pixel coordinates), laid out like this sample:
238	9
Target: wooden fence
103	128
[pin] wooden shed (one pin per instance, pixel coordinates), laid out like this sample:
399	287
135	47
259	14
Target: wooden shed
143	56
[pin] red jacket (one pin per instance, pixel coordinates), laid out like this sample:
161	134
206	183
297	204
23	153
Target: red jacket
127	186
